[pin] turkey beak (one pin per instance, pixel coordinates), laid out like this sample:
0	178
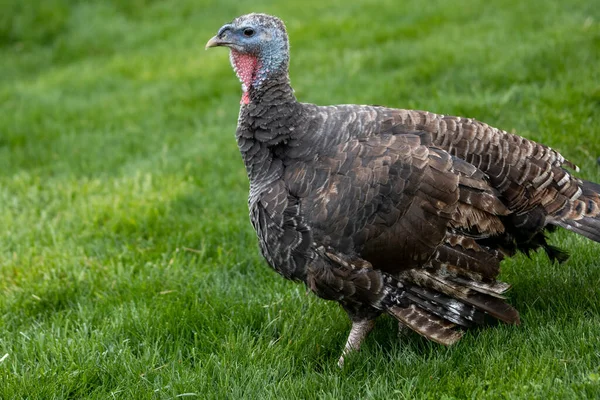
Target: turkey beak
214	42
219	38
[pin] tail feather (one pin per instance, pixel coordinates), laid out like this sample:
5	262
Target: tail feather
592	186
432	327
433	306
495	288
585	214
492	305
465	256
586	226
446	307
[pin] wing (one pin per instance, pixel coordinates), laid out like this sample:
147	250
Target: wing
531	177
392	200
366	191
395	225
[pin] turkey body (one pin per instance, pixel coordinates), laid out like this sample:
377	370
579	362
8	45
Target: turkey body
393	211
373	190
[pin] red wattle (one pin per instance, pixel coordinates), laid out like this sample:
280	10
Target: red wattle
245	67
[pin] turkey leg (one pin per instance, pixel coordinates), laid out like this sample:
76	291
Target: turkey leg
358	333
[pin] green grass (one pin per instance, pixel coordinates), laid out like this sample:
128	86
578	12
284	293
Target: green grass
128	267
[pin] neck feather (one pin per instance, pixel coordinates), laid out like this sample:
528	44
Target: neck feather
266	123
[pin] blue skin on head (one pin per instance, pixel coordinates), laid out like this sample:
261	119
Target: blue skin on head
261	36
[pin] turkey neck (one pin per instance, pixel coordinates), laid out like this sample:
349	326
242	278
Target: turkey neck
265	125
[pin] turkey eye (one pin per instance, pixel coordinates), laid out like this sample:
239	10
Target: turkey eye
248	32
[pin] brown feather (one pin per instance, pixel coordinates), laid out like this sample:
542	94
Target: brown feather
426	324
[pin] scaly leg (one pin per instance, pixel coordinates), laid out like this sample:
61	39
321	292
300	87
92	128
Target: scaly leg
358	333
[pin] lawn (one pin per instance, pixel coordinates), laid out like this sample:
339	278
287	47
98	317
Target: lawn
128	266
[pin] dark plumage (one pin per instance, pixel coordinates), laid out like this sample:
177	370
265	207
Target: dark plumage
401	212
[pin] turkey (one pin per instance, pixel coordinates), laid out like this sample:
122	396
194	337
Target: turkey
391	211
